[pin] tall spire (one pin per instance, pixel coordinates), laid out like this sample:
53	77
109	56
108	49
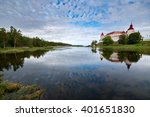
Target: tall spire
131	26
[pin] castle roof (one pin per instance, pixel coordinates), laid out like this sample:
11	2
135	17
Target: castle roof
117	32
131	27
102	34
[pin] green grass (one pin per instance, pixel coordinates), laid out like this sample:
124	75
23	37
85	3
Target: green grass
17	91
19	49
142	47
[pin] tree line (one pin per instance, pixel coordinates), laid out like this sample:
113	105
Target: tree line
14	38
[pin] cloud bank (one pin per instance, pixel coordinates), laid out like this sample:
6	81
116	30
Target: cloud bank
74	21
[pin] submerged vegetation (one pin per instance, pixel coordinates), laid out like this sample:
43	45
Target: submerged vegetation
17	91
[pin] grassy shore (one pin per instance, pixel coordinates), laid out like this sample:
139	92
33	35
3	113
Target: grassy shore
142	47
23	49
17	91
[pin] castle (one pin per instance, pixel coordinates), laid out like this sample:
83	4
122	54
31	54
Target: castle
115	34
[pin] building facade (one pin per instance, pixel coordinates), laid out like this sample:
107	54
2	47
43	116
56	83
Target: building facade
115	34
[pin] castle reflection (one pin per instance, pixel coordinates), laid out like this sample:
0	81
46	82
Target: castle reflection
127	57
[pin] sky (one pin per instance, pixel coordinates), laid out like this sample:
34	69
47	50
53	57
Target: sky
75	21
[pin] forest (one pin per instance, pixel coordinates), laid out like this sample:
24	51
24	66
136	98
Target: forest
14	38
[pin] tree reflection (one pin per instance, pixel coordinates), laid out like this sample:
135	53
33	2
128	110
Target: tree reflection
128	57
106	53
16	60
94	50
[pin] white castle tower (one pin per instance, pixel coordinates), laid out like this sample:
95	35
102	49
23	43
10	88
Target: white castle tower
130	30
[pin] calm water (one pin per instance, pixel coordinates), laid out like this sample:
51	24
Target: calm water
81	73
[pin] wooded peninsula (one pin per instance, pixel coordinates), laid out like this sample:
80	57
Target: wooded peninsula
13	38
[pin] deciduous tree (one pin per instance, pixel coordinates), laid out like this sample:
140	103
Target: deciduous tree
108	40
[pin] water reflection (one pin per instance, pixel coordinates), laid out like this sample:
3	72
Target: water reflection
16	60
77	73
128	57
94	50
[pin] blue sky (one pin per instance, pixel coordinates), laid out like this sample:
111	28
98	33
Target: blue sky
74	21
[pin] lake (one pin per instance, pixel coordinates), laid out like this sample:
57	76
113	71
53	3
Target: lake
81	73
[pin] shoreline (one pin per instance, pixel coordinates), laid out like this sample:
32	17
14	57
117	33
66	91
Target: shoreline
17	91
143	47
23	49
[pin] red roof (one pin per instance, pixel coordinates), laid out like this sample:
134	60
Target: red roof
117	32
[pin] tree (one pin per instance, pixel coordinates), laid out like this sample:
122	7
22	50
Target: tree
3	36
17	36
93	44
123	39
11	36
107	40
134	38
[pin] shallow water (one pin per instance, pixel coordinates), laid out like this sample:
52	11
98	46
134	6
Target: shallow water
81	73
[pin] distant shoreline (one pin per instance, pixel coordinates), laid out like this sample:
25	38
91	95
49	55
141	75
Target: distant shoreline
23	49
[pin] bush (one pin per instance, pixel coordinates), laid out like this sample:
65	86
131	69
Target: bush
134	38
107	40
123	39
